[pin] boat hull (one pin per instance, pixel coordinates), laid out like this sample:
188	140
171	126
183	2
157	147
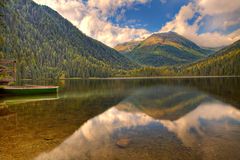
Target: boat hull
28	91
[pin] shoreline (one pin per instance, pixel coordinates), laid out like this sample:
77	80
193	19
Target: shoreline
126	78
165	77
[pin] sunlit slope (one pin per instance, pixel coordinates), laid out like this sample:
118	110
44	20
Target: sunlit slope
165	49
224	62
126	47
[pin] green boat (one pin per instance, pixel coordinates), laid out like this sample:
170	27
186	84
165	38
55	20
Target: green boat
28	90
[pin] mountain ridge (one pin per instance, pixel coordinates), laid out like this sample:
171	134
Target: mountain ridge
167	48
224	62
47	45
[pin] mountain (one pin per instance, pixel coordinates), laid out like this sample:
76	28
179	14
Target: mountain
224	62
165	49
46	45
126	47
214	49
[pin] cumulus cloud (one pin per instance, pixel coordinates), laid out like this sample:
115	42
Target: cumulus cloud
210	27
213	7
92	18
213	15
108	33
227	24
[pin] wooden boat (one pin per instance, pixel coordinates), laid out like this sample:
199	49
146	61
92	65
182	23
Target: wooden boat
28	90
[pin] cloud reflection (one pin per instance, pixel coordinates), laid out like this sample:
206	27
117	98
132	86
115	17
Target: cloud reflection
94	139
96	132
192	121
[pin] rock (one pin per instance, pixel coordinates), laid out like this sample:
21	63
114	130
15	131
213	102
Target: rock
48	138
123	142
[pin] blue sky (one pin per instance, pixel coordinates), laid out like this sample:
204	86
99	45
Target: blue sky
151	16
208	23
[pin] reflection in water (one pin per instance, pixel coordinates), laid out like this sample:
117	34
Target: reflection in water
194	123
95	133
203	128
26	99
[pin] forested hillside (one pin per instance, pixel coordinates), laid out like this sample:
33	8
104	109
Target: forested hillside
46	45
164	49
224	62
2	5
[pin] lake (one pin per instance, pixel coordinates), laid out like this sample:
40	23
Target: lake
125	119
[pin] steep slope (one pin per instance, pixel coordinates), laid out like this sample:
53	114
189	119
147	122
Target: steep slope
166	49
224	62
126	47
47	45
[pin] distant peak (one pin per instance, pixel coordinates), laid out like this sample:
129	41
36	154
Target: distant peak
171	32
162	34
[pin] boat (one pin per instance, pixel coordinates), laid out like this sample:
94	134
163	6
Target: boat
28	90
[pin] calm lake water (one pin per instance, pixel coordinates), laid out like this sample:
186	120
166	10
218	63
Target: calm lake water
125	119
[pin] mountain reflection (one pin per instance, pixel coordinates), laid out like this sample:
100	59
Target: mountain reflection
175	121
195	122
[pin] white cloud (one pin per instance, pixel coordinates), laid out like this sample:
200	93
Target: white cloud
213	7
220	14
73	10
221	22
179	24
227	24
92	18
207	39
108	33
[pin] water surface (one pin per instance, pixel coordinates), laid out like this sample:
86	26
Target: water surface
125	119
